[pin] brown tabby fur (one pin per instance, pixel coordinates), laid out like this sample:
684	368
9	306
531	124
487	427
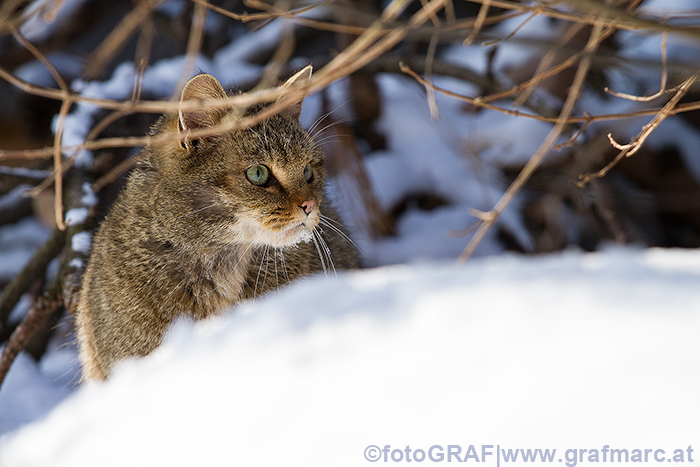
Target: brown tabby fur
191	235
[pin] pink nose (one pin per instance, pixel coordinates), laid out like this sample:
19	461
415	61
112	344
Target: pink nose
307	206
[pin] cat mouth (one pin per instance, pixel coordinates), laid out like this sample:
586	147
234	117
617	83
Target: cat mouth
289	235
297	233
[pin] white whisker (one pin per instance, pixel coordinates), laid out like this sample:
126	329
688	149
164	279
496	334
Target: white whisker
332	139
255	291
326	221
198	210
331	125
284	265
320	256
327	250
277	280
324	116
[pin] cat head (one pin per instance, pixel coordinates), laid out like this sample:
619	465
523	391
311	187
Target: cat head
262	184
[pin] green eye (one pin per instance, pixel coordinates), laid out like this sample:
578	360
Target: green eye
308	172
258	174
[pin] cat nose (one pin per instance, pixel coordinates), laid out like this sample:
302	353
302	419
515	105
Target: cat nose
307	206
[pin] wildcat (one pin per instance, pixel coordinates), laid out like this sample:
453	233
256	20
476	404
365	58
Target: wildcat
204	223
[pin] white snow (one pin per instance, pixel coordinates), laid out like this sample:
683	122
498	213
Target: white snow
25	172
14	196
76	216
17	242
81	242
36	72
27	394
89	197
45	16
564	351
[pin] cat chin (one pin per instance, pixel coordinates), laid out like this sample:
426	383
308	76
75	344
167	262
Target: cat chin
291	235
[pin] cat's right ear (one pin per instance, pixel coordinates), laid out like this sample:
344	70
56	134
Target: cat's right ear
299	79
201	87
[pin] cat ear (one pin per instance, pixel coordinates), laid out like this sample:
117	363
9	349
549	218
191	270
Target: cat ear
299	79
201	87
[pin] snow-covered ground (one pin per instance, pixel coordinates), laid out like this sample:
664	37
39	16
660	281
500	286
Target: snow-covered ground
569	351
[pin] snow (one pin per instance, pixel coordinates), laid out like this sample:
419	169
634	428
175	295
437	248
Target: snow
17	242
14	196
81	242
25	172
76	216
44	16
27	394
565	351
89	197
35	72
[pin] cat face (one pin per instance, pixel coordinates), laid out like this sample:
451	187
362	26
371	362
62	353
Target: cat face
265	183
275	177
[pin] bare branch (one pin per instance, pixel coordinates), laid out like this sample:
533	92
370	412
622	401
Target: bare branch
664	79
479	23
24	332
636	143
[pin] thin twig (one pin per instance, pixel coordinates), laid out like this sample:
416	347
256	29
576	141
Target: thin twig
480	17
513	32
115	173
58	163
62	85
65	107
589	10
546	61
272	11
430	92
573	139
283	53
628	150
664	80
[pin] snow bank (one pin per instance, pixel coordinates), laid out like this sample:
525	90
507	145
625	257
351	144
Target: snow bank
566	351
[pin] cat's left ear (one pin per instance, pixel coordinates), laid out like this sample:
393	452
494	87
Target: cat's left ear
202	87
299	79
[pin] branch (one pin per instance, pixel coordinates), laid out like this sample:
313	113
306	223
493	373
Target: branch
636	143
664	80
24	332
